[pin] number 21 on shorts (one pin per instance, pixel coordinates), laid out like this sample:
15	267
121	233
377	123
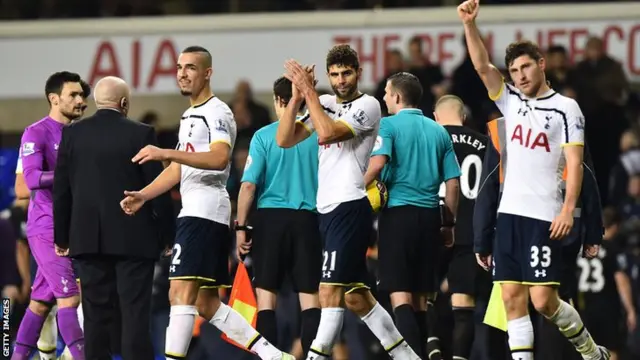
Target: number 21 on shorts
540	256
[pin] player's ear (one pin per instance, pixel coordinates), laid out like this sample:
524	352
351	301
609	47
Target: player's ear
359	72
53	98
542	64
208	74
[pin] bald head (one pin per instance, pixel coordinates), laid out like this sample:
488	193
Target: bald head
112	92
449	110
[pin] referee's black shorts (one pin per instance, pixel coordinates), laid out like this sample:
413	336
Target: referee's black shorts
286	242
408	247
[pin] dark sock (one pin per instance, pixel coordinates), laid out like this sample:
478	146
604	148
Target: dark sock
433	342
463	332
421	319
496	343
266	325
310	320
408	327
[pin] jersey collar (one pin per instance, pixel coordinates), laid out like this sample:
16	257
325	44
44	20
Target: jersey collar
410	111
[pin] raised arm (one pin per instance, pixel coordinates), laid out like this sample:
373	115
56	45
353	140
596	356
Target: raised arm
291	131
490	75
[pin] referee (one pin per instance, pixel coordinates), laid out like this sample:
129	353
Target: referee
286	239
417	156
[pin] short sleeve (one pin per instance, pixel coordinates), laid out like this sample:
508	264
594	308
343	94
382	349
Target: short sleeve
19	166
621	262
256	162
573	126
384	140
504	98
362	116
221	129
450	166
305	121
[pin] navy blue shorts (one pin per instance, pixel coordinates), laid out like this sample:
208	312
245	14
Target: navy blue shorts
201	252
524	253
346	232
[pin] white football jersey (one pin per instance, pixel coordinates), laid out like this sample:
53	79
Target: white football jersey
204	192
342	165
537	130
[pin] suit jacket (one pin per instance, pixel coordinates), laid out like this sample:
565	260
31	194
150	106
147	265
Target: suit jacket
94	169
486	207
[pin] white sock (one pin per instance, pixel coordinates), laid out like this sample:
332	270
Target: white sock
180	329
48	341
381	325
328	330
571	326
239	330
521	338
81	317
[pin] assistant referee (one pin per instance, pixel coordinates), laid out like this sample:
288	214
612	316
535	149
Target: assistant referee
417	156
286	236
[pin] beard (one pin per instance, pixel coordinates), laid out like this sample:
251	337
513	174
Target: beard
71	115
186	93
347	94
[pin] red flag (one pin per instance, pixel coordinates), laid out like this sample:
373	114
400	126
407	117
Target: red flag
243	300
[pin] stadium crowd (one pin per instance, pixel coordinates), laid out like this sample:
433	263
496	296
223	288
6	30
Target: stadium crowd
597	82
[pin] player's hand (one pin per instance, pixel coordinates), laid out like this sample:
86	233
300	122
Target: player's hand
132	202
468	11
61	252
150	153
243	244
448	235
168	251
590	251
299	77
484	261
632	322
561	225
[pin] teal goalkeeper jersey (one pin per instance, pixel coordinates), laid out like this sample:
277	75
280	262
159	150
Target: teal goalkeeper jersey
285	178
420	157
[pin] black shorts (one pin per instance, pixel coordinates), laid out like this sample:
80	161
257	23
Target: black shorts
605	326
408	247
524	253
287	242
464	274
201	252
346	232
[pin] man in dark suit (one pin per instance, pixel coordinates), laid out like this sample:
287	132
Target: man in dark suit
115	253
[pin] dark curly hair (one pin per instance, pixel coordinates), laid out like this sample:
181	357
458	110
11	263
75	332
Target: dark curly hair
521	48
343	55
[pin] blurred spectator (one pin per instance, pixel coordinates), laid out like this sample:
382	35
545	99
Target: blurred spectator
466	84
557	70
630	206
9	277
627	164
249	114
430	75
602	87
394	64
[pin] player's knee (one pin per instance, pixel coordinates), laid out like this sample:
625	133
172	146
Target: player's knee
207	303
183	292
330	296
309	301
359	301
266	299
39	308
401	298
544	299
515	297
462	301
70	302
